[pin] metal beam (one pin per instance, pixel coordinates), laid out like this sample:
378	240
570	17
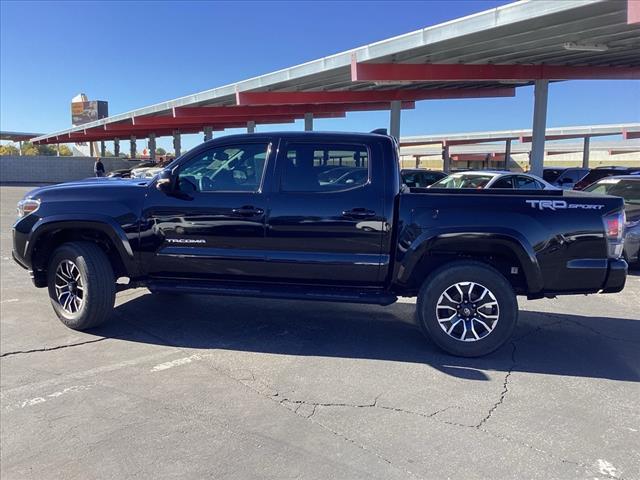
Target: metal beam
346	96
308	122
116	147
298	109
251	126
446	159
176	143
541	93
420	72
208	133
152	146
167	121
507	153
585	152
394	120
132	148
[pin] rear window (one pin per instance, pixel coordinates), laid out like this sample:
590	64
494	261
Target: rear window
627	189
458	180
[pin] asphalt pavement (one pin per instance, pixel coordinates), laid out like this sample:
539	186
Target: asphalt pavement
198	387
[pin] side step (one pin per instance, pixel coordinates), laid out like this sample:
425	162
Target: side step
283	291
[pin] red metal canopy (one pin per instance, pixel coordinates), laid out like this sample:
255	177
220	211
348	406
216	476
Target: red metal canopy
415	72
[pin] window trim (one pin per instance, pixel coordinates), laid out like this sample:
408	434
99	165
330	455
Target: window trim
199	154
284	150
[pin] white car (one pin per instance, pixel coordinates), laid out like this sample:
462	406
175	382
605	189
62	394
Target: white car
149	172
493	179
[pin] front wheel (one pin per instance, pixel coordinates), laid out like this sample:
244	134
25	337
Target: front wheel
81	285
467	308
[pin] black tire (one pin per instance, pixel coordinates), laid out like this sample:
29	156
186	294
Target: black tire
98	284
445	278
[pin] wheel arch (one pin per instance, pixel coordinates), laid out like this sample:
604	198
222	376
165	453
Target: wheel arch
502	250
52	232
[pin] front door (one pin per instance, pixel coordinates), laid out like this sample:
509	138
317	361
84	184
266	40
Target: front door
214	225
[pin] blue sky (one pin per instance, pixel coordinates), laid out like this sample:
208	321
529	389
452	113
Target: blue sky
134	54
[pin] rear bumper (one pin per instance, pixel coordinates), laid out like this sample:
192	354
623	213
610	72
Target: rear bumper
616	276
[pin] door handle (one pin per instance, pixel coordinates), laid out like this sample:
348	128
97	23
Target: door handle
359	213
247	211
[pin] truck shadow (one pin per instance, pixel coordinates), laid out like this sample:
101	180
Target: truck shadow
554	344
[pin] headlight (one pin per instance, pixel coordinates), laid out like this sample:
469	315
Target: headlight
27	206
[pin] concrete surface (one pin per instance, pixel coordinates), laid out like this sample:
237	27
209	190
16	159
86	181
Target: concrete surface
46	169
205	387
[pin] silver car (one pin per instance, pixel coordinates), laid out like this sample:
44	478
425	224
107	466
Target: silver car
627	187
493	179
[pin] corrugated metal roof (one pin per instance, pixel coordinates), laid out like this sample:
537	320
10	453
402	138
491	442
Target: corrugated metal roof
525	32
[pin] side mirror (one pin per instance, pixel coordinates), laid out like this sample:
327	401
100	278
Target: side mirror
164	183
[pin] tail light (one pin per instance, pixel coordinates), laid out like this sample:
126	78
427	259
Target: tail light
614	230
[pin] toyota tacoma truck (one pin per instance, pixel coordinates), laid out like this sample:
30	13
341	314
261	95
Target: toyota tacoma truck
318	216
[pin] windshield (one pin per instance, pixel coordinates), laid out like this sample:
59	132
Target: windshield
463	180
627	189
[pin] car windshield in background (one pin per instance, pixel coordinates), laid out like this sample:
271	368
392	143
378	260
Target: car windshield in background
461	180
627	189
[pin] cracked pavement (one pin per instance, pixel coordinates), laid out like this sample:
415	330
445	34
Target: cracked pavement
195	387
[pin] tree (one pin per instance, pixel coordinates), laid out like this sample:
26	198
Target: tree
9	149
65	151
160	151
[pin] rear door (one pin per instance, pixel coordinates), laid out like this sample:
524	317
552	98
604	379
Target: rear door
326	228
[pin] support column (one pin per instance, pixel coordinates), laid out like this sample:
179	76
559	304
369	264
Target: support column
208	133
394	119
251	126
103	149
132	152
507	154
91	152
541	93
585	152
446	159
57	149
116	147
176	143
308	122
20	147
152	146
417	157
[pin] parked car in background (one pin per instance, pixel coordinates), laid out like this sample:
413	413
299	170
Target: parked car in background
603	172
627	187
126	172
151	171
420	178
564	178
480	179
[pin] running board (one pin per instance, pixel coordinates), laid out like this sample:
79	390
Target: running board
289	292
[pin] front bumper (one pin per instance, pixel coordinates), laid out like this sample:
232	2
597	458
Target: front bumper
616	276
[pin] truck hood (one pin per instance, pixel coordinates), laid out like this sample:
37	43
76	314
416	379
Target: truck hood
90	183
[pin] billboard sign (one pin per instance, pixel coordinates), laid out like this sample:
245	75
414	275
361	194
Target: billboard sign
85	112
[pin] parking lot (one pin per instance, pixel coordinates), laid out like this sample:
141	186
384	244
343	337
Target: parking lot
195	387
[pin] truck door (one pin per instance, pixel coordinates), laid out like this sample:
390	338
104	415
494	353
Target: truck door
326	213
214	227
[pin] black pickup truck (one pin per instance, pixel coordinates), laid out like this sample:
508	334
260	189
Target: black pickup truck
318	216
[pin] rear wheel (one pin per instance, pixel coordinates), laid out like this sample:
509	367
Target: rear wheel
467	308
81	285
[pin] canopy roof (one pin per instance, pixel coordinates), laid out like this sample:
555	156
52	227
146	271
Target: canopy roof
485	54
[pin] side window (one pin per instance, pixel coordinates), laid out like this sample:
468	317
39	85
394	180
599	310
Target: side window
527	183
230	168
505	182
324	168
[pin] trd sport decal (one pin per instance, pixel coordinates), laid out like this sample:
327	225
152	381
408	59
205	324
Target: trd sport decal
561	205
